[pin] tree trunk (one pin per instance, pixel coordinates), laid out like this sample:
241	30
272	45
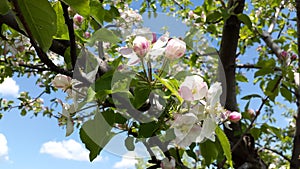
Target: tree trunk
295	161
244	155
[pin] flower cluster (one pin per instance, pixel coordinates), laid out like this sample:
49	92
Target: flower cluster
143	46
203	112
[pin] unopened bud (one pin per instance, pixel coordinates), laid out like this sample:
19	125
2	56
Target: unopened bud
78	19
293	57
235	116
284	54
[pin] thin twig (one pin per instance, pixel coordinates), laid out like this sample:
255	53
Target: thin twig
275	151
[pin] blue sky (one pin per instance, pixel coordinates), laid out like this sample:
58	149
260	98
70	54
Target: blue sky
38	142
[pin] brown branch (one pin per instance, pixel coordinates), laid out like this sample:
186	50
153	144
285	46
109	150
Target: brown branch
69	23
275	151
39	68
252	66
41	54
58	46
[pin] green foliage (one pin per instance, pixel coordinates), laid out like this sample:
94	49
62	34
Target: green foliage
105	35
81	6
95	134
41	20
225	144
4	7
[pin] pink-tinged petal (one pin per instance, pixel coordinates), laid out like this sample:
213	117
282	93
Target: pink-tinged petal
126	52
161	42
186	93
133	60
235	116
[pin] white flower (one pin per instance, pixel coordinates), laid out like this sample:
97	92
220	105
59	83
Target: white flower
62	81
208	130
175	48
185	129
168	164
213	94
193	88
297	77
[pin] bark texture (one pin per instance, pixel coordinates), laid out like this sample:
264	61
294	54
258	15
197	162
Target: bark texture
295	161
244	156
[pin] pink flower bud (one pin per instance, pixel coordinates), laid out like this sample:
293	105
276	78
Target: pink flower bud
62	81
293	57
78	19
284	54
250	113
175	48
168	164
235	116
141	46
154	37
87	35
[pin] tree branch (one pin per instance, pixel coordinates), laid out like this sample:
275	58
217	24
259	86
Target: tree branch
295	161
275	151
58	46
69	23
41	54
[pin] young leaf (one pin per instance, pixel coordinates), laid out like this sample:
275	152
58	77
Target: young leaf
245	19
129	143
95	134
209	151
81	6
105	35
225	144
41	20
169	85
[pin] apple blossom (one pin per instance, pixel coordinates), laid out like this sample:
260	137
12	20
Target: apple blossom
193	88
141	46
213	94
185	129
78	19
62	81
167	163
235	116
175	48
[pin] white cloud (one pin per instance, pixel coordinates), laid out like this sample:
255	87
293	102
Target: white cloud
3	148
9	87
128	161
67	149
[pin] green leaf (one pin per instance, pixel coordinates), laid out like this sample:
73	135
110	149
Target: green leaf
169	85
129	143
4	7
286	94
248	97
112	117
216	15
81	6
141	94
23	112
62	29
97	11
95	134
41	20
69	127
241	78
225	144
90	95
209	151
111	14
256	133
105	35
147	129
245	19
